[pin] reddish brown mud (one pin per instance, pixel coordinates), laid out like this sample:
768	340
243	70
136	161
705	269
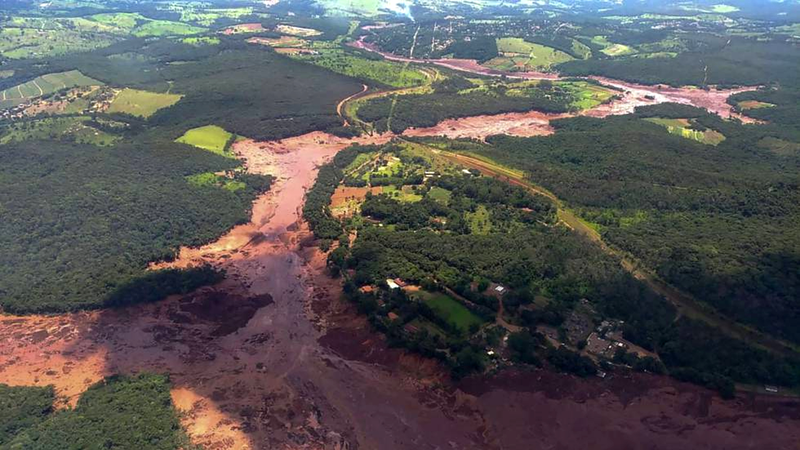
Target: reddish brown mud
272	358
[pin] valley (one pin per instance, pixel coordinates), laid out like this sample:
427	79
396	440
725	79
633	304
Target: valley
471	225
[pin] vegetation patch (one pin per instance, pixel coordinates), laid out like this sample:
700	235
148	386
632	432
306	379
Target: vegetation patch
120	412
165	28
82	130
349	63
141	103
518	54
754	104
210	137
610	48
115	206
439	194
22	408
687	129
200	41
451	310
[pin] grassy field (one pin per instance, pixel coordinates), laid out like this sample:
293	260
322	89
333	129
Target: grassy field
450	310
57	128
141	103
581	49
352	8
165	28
44	85
588	95
120	21
211	179
612	49
520	54
480	221
402	194
202	40
681	127
440	195
207	16
209	137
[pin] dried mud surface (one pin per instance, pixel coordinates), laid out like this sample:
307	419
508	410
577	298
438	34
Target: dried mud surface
272	358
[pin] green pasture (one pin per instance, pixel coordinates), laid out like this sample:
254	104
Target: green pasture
141	103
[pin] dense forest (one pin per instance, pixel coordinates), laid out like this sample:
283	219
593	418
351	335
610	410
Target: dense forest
451	99
23	407
489	231
118	412
246	89
717	60
83	222
714	221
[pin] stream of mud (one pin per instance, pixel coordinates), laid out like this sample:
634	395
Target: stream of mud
271	358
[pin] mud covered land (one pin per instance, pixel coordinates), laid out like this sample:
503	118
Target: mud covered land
271	358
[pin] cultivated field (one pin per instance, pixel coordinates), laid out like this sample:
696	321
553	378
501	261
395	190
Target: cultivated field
44	85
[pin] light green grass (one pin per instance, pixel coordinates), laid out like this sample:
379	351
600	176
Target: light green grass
480	221
367	8
165	28
681	127
587	95
408	195
519	53
450	310
581	49
439	195
26	37
44	85
210	137
211	179
611	48
207	16
123	21
723	9
202	40
141	103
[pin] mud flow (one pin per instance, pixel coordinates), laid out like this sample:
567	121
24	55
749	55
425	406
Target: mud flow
271	358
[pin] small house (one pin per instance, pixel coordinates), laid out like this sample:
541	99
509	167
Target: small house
392	284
